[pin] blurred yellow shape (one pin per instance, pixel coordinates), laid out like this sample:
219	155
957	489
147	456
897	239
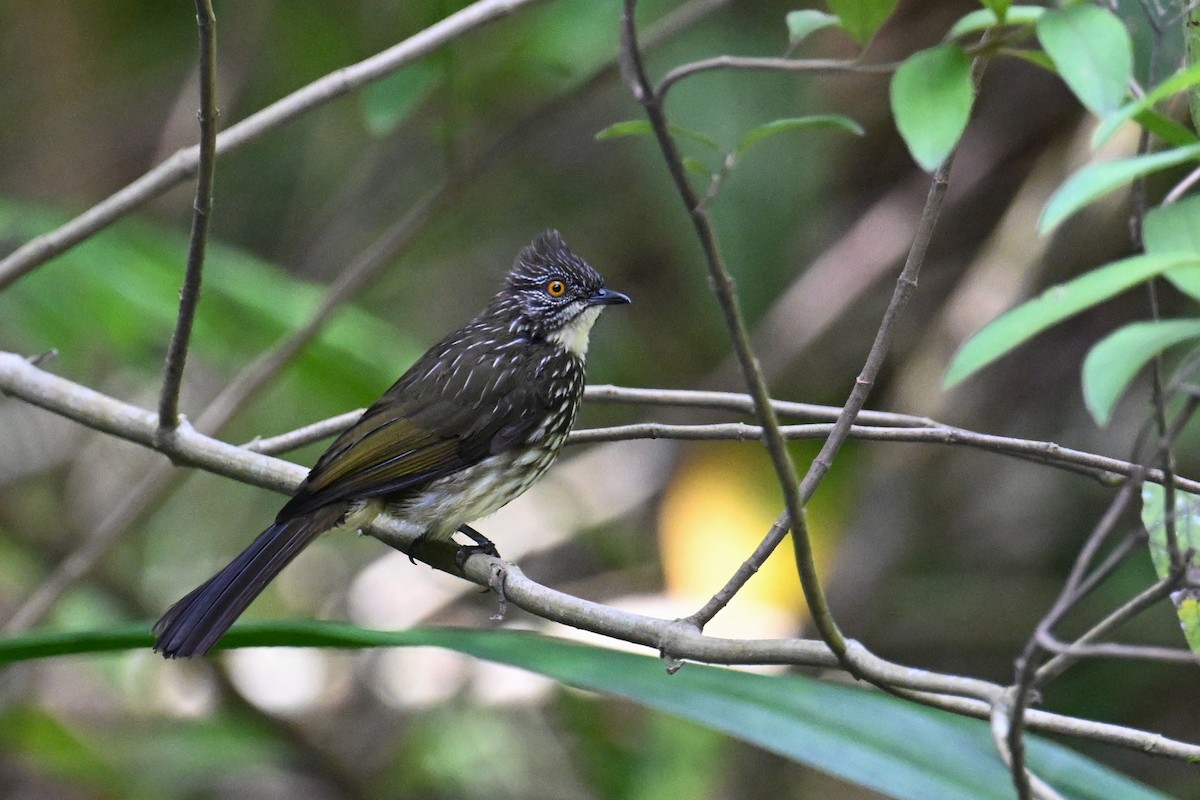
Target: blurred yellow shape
718	507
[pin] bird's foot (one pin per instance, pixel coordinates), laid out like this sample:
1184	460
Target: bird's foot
482	545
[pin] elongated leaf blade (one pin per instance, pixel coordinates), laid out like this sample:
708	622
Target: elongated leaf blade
931	98
1093	52
1096	180
777	126
1056	304
1115	360
1180	81
897	748
983	18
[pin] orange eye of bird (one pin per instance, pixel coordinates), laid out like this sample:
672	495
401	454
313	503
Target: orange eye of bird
556	288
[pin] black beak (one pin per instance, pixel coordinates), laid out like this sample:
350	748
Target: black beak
608	297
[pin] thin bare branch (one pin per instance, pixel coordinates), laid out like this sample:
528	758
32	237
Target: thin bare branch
189	296
822	66
723	288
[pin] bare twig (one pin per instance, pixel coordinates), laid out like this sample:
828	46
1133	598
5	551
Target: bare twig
823	66
744	403
722	284
189	296
1146	598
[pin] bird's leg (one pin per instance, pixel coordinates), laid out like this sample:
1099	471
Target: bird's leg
482	545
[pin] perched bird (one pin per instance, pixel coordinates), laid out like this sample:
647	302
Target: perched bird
471	425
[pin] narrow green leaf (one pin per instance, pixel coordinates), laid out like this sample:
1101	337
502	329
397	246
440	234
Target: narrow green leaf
641	127
1113	363
1173	228
931	99
1054	305
1093	52
697	166
899	749
1187	536
1166	129
862	19
630	127
1035	57
802	24
984	18
1173	85
797	123
1096	180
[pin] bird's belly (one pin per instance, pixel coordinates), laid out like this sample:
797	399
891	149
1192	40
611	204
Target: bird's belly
472	493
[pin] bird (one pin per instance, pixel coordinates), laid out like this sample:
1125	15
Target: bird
472	424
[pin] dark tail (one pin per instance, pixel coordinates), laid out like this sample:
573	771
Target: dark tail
194	624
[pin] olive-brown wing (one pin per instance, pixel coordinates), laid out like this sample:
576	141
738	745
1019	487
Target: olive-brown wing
402	443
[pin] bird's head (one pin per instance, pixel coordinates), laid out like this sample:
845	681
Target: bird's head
553	294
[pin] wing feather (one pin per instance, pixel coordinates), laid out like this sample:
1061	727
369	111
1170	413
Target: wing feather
422	430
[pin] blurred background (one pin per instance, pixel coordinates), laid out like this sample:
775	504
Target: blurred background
935	557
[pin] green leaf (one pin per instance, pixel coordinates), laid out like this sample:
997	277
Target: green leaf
1113	363
1093	52
641	127
984	18
1173	228
388	102
931	100
697	166
1187	536
897	748
862	19
1173	85
1000	8
802	24
1166	129
630	127
1096	180
797	123
1054	305
1035	57
1186	280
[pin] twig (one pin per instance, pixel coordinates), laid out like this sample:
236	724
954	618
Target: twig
722	285
856	400
1115	650
189	297
737	401
182	165
823	66
1031	786
1146	598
